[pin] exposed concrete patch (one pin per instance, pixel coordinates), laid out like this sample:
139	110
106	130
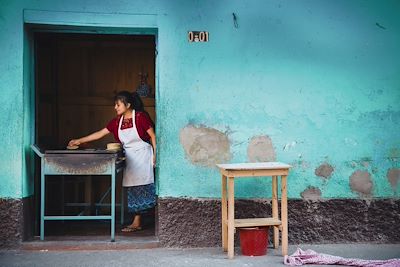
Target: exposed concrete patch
311	193
365	164
301	164
351	164
324	170
360	182
394	153
205	146
261	149
393	175
11	222
186	222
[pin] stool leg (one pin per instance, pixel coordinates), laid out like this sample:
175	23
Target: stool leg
284	213
275	213
224	217
231	217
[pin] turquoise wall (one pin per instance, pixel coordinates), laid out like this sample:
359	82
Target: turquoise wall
315	84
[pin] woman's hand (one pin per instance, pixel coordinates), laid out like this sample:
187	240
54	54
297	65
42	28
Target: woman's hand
154	160
74	142
91	137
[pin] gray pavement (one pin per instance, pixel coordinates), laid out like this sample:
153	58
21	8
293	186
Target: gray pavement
157	257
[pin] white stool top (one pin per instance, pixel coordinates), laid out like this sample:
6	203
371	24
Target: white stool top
254	166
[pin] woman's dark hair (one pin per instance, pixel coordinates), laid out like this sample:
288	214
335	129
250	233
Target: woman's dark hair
130	98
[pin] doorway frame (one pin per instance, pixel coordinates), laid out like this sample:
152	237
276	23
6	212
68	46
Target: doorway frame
71	22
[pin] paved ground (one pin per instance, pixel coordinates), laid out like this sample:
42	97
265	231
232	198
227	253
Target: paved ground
205	257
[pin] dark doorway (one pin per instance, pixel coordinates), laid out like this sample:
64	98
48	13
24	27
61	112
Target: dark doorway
76	77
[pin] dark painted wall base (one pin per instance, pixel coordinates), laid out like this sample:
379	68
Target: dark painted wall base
185	222
11	218
196	222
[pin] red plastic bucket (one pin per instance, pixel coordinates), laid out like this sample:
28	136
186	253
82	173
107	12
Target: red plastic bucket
253	241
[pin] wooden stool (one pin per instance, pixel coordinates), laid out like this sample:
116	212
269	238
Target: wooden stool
229	173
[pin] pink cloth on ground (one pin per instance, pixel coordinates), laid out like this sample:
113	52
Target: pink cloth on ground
301	257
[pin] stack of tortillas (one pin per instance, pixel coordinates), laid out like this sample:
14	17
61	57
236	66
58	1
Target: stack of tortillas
72	147
114	146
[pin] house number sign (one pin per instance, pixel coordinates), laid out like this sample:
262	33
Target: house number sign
200	36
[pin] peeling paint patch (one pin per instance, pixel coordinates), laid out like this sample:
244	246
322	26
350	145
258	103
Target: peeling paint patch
394	154
311	193
350	141
324	170
365	164
205	146
365	161
351	164
393	175
301	164
289	146
260	149
360	182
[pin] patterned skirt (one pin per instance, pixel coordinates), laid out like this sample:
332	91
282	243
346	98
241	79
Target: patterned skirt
141	198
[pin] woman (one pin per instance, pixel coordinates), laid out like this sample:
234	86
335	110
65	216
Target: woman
134	129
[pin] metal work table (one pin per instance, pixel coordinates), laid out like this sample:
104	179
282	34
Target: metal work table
78	162
229	223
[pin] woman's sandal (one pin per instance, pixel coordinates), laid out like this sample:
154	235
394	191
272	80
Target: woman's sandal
130	229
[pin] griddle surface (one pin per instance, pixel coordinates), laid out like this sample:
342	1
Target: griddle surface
79	151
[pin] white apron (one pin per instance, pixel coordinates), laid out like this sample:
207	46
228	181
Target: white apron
139	156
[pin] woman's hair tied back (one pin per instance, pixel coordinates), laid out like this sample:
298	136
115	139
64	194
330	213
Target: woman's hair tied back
131	98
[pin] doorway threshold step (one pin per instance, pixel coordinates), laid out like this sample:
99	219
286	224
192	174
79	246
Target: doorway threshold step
71	243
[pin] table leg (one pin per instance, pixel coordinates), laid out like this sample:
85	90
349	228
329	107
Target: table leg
231	217
122	205
42	198
224	215
275	213
113	202
284	213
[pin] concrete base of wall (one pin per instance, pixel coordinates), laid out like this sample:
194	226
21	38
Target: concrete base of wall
196	222
185	222
11	218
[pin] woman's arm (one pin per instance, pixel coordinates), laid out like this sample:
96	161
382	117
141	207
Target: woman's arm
91	137
152	135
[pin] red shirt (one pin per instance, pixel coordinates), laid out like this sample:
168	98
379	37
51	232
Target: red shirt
142	121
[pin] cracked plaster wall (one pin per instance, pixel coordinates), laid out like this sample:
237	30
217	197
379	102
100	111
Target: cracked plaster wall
276	96
315	82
